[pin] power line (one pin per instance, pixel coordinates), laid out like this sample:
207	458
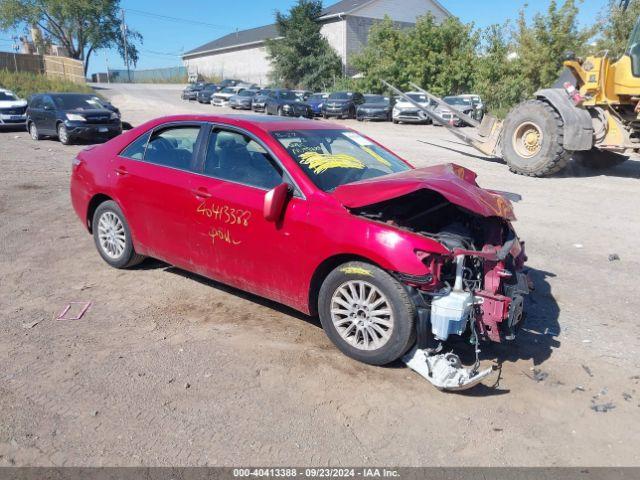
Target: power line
176	19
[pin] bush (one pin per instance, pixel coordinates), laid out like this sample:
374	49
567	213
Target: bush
25	84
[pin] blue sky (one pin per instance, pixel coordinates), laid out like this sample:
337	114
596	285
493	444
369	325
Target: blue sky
165	39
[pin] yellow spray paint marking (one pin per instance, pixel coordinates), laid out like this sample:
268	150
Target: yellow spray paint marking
321	162
356	271
376	156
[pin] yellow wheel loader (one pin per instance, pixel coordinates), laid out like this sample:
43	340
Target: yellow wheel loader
592	114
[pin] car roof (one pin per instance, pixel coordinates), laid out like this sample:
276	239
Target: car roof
262	122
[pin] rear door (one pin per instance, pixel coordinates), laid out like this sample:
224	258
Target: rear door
154	181
238	245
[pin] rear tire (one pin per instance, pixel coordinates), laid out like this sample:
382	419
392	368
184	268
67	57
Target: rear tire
599	159
112	236
532	142
367	313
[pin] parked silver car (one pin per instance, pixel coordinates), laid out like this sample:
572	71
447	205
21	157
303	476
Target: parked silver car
243	100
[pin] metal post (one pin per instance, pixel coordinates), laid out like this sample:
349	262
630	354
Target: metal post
106	61
124	43
16	47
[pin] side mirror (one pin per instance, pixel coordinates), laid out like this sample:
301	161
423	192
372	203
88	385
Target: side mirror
274	201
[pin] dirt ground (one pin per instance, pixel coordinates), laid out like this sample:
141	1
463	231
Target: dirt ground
167	368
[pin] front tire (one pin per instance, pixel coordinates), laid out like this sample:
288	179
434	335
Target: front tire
367	313
33	131
112	236
533	140
63	134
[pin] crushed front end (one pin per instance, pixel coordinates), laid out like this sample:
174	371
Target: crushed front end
476	290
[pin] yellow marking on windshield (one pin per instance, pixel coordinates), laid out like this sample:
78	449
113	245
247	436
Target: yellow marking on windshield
377	156
321	162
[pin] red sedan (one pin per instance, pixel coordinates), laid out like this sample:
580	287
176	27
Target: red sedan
314	216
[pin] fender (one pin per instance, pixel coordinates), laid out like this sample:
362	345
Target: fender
578	129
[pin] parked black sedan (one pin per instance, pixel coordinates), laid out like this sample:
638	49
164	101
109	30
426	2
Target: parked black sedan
191	91
71	116
375	107
285	103
342	104
204	95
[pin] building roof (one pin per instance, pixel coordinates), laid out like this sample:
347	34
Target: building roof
260	34
236	39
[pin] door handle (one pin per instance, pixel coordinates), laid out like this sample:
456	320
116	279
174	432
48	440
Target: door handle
121	171
201	192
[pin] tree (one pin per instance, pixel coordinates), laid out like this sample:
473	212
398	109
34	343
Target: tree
439	57
541	46
498	76
616	27
302	56
80	26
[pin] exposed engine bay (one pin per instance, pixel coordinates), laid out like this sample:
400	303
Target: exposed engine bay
476	291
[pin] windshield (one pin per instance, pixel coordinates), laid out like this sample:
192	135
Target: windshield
318	96
7	97
417	97
331	158
341	96
457	101
228	90
77	102
376	99
287	95
247	93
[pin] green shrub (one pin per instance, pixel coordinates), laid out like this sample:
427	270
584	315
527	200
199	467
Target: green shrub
25	84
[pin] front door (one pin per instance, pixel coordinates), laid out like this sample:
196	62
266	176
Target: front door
238	245
154	179
48	116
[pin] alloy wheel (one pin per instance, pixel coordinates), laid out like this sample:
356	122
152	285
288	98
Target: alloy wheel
111	235
362	315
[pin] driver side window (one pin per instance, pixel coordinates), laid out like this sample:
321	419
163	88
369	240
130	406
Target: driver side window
238	158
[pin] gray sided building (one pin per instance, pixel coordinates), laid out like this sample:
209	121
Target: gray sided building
345	24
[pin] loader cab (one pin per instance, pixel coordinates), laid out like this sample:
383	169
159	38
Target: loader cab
633	50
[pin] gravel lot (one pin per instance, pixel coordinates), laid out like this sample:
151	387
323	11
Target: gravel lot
167	368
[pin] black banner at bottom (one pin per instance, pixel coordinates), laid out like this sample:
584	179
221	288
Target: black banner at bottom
215	473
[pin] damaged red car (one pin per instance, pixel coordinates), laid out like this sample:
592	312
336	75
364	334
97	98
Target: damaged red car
314	216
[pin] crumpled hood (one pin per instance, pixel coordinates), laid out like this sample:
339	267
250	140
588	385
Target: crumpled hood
13	103
455	183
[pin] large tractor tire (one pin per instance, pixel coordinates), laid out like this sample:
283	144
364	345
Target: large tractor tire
599	159
532	141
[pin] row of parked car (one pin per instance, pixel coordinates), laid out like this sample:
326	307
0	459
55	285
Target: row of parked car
299	103
67	116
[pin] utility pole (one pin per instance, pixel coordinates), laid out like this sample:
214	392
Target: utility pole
16	47
106	61
124	43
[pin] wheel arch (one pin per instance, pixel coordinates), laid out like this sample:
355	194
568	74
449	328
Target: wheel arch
578	126
324	269
94	203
